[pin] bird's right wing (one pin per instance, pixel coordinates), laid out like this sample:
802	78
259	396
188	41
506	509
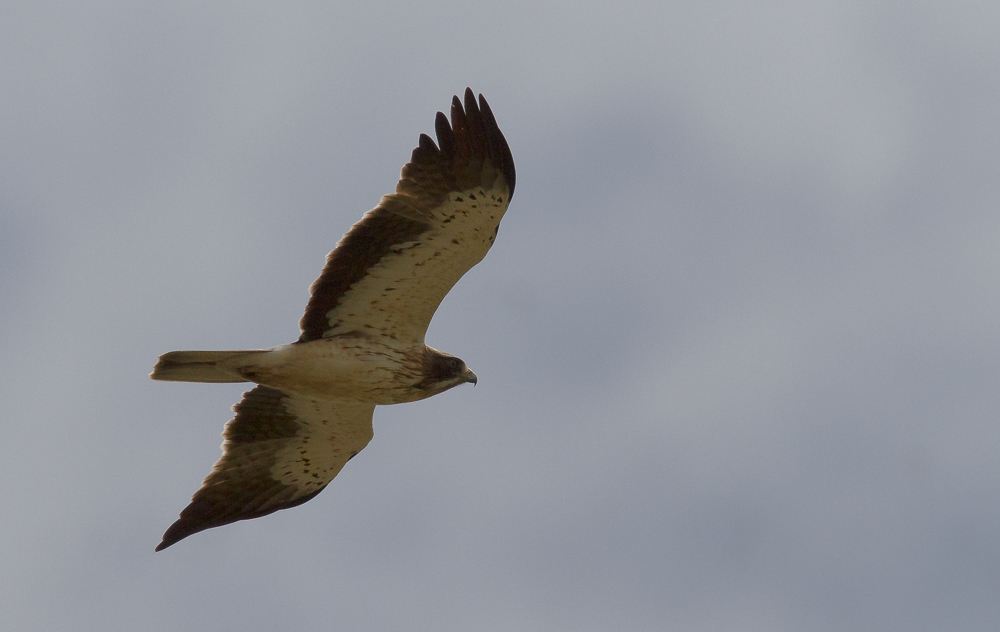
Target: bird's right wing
280	450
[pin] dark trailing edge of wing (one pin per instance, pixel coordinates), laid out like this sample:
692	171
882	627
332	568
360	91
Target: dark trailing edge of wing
454	164
240	486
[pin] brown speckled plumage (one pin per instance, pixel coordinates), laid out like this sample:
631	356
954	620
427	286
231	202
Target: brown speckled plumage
362	340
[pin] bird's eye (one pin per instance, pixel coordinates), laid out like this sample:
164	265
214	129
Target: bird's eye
454	363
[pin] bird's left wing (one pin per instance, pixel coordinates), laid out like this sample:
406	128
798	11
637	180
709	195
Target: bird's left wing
280	450
390	272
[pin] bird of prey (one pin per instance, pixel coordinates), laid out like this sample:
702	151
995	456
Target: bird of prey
362	341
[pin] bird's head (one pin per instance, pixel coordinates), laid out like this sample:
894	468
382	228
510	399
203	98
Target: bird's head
441	371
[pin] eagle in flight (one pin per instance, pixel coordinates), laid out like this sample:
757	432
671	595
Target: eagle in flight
362	341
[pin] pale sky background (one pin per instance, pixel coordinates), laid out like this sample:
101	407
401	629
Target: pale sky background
738	342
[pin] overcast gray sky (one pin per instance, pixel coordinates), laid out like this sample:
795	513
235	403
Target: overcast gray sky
738	341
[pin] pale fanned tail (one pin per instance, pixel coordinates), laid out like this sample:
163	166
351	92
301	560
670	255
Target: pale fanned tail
202	366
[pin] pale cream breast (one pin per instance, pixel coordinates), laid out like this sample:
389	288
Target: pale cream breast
351	368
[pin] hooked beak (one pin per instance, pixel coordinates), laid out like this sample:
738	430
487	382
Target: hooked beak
469	376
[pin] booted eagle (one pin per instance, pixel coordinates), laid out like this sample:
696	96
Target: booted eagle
362	341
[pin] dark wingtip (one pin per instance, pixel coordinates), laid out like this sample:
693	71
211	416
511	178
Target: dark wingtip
427	143
425	147
446	137
174	534
165	543
472	132
470	99
497	140
487	136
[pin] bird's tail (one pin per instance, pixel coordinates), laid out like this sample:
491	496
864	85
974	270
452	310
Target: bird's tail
203	366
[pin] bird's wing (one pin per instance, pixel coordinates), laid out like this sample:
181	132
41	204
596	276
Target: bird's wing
389	273
280	450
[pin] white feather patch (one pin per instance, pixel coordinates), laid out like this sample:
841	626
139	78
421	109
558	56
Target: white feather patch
331	433
398	296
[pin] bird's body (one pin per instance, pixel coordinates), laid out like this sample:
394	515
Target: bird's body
348	367
362	341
